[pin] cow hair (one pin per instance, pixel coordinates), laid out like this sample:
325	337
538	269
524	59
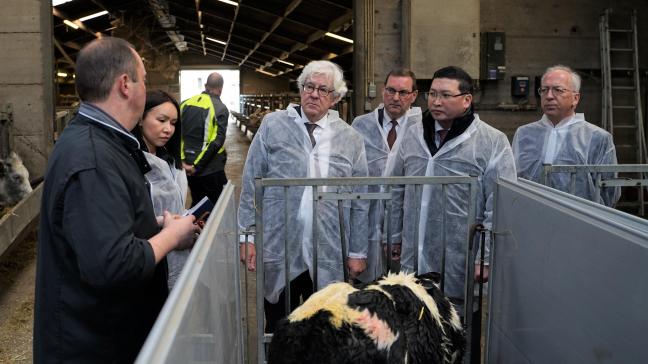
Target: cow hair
397	319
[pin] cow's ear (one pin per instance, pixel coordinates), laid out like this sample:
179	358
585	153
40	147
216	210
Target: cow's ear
430	276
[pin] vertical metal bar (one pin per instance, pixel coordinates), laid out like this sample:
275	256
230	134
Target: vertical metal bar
417	202
641	140
546	170
343	242
315	238
598	189
443	234
470	267
286	254
242	339
387	227
258	242
572	182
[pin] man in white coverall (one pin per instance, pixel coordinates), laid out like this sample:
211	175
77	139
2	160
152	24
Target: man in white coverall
451	140
305	141
381	129
563	136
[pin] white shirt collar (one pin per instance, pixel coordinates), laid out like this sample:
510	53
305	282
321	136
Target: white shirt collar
438	126
322	123
570	120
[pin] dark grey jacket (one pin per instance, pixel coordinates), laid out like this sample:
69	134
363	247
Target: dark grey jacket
98	289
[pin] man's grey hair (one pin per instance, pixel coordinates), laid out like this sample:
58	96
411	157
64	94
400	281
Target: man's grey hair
99	64
576	79
327	68
215	80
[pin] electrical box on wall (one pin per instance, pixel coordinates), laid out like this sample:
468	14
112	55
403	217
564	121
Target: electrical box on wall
493	56
520	86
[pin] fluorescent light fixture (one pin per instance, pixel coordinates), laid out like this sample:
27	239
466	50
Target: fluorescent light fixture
95	15
229	2
344	39
284	62
265	73
216	40
62	74
70	24
59	2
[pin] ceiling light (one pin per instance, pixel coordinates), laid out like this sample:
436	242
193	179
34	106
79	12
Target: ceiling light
265	73
229	2
95	15
284	62
344	39
62	74
70	24
216	40
59	2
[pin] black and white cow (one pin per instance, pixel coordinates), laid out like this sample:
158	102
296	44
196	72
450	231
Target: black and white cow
397	319
14	181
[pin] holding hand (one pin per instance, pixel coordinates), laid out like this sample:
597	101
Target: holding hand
181	227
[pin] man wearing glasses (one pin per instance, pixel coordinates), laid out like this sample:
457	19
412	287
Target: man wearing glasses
381	129
563	137
305	141
451	140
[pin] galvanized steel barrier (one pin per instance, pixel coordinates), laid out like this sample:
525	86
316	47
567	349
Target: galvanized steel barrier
599	182
568	280
318	196
201	321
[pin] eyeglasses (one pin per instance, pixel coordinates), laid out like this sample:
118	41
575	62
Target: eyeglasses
556	90
323	91
444	95
401	93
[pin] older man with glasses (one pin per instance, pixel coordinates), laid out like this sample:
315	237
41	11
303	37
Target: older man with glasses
450	140
381	129
305	141
563	137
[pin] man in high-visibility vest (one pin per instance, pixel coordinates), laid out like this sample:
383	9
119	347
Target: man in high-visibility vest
204	122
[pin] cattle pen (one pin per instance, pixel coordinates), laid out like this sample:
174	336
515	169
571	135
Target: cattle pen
542	292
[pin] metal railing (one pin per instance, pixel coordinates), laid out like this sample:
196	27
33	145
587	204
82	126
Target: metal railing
599	182
385	194
201	321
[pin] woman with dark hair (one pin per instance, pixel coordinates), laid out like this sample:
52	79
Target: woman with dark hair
159	135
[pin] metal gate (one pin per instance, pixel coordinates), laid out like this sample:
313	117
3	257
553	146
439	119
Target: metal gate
568	280
320	195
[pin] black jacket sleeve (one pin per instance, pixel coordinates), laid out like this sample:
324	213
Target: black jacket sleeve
107	252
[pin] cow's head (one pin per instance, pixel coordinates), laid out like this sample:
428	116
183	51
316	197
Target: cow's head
14	180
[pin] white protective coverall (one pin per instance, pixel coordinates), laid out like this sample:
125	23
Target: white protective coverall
282	149
379	159
168	187
481	151
573	141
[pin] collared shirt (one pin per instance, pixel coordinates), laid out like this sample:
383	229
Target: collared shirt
322	124
101	117
387	124
437	138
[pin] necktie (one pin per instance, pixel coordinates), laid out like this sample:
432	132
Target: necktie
391	136
310	127
442	135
